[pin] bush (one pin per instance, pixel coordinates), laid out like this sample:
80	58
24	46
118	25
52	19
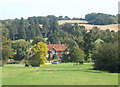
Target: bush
55	56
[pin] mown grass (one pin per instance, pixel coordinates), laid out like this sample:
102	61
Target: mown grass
58	74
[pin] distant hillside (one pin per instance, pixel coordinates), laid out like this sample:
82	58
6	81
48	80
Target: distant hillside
102	27
89	26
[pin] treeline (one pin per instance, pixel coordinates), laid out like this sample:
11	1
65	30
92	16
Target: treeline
98	46
95	18
31	27
68	18
101	19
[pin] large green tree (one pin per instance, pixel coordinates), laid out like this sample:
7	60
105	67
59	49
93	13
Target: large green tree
21	29
41	51
21	48
77	54
88	46
106	57
6	45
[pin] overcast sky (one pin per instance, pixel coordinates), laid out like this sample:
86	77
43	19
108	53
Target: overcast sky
10	9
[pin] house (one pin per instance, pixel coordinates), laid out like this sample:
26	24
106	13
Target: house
57	48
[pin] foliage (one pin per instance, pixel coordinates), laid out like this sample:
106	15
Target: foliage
101	19
21	29
40	49
88	46
7	51
38	39
53	38
106	57
55	60
77	54
21	49
55	56
66	58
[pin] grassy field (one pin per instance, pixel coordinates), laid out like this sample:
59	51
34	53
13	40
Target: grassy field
58	74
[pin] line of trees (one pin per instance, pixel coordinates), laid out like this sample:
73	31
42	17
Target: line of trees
101	19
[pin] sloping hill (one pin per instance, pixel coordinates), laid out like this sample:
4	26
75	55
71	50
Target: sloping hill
102	27
89	26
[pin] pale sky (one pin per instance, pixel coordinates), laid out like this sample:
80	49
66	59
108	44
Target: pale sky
11	9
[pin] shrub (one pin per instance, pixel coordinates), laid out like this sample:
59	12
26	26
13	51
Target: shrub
55	60
55	56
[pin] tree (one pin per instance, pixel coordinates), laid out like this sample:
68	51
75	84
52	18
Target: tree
37	27
38	39
53	22
21	30
13	29
88	46
21	49
101	19
53	38
106	57
77	54
66	18
67	27
6	46
7	51
66	58
30	31
41	51
60	18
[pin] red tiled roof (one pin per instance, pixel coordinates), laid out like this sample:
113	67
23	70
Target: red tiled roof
57	47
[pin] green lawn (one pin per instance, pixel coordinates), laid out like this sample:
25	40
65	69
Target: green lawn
58	74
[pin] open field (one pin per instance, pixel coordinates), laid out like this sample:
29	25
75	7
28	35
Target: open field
102	27
58	74
89	26
71	21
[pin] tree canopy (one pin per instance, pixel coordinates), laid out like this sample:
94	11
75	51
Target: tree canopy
101	19
40	49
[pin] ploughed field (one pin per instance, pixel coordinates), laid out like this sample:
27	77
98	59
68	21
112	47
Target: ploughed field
56	74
